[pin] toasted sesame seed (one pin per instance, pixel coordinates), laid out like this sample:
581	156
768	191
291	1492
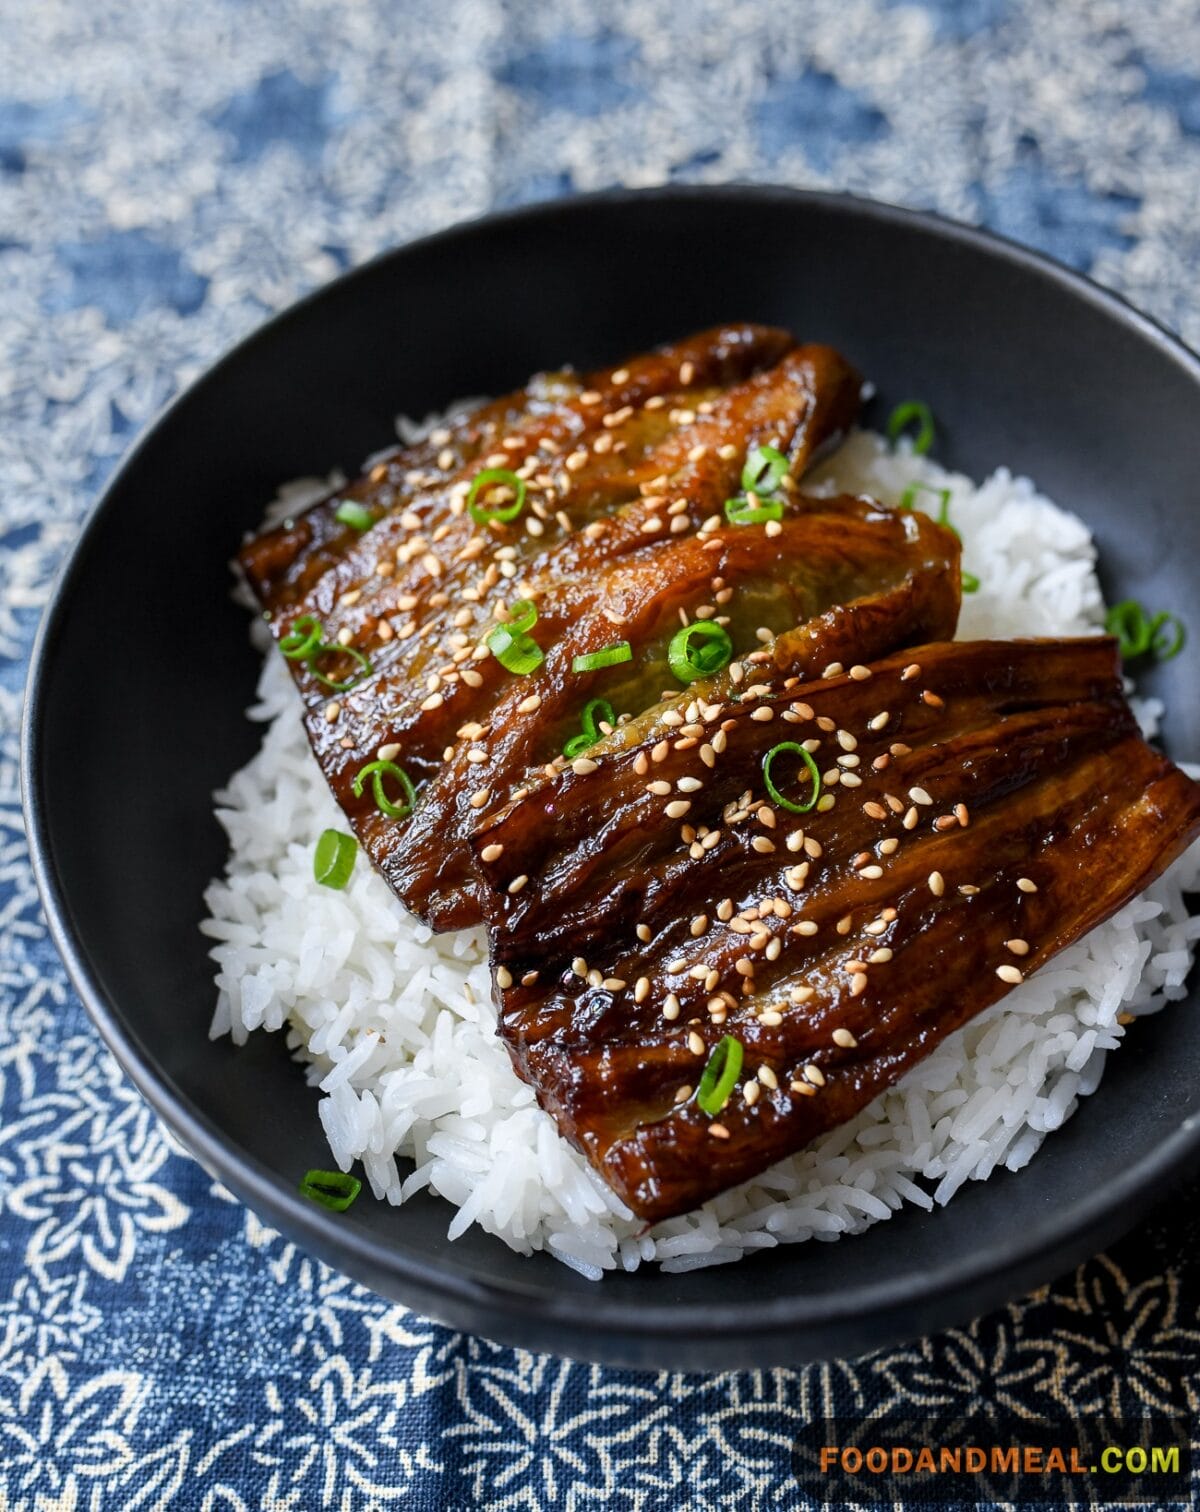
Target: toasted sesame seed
771	1017
814	1074
434	701
1018	947
689	784
584	766
879	722
834	669
479	798
492	852
531	704
844	1038
676	966
805	927
671	1006
762	845
504	977
1026	885
332	711
695	1043
683	1093
1009	974
643	933
911	819
944	822
968	890
517	883
718	1131
677	808
919	795
937	884
614	984
912	670
889	846
699	925
879	957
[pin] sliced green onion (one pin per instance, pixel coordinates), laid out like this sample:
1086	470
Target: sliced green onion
764	471
607	656
356	515
699	650
522	616
514	650
493	477
970	583
720	1075
332	1189
304	638
1137	632
1167	646
346	683
333	858
751	510
912	412
377	771
595	712
814	773
941	494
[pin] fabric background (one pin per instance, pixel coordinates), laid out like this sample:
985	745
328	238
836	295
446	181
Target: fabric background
170	173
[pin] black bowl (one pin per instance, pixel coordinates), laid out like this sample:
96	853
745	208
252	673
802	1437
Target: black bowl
142	672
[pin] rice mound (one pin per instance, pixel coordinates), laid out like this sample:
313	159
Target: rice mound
397	1024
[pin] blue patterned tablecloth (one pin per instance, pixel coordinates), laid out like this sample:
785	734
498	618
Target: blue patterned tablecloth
172	172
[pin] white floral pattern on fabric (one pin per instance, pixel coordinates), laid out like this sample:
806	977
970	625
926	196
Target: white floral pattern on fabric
169	175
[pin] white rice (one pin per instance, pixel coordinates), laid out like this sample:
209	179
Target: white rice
398	1026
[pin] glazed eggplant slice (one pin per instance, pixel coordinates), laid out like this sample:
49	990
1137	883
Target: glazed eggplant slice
554	414
638	542
661	912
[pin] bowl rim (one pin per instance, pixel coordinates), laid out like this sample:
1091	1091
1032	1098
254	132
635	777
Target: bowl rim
1068	1233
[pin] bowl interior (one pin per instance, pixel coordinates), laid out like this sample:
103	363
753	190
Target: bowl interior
132	726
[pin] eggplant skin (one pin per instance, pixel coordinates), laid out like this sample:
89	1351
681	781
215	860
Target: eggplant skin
1007	805
626	474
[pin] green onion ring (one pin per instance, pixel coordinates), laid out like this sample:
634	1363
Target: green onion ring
765	470
522	616
607	656
942	494
595	711
814	773
344	686
377	771
699	650
752	510
912	412
514	650
1127	621
970	583
720	1075
1165	647
304	638
357	516
333	858
504	513
332	1189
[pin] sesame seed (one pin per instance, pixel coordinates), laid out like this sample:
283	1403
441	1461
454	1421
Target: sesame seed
805	927
332	710
683	1093
718	1131
695	1043
912	670
763	715
1009	974
751	1092
944	822
919	795
860	673
434	701
879	722
814	1074
911	819
620	375
492	852
1026	885
641	989
1018	947
844	1038
687	371
677	809
803	1087
479	798
771	1017
676	966
531	704
614	984
834	669
584	766
874	810
689	784
504	977
879	957
762	845
699	925
937	884
889	846
671	1006
517	883
643	933
872	873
